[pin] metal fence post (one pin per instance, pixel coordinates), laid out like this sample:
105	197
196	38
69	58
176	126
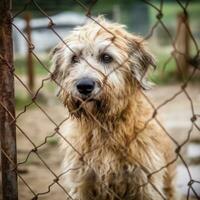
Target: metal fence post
7	106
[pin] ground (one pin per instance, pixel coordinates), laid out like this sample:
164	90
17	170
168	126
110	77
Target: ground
175	117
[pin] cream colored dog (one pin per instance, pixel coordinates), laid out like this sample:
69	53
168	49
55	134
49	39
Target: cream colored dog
111	149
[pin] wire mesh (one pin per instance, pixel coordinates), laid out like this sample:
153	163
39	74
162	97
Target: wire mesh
36	148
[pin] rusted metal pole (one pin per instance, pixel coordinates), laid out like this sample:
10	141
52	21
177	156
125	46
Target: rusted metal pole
27	18
7	106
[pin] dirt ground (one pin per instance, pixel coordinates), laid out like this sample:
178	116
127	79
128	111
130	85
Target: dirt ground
175	117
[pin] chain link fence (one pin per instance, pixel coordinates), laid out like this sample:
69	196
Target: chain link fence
9	122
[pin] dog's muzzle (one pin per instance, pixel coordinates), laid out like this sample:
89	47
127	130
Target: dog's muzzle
85	87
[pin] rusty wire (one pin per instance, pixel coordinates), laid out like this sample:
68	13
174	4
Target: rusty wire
182	90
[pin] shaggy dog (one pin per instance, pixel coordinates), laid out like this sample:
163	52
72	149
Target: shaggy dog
112	148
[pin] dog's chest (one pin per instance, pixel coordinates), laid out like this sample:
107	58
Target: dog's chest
104	174
102	171
113	180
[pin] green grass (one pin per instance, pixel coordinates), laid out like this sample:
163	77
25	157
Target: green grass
21	66
52	141
165	71
22	101
170	11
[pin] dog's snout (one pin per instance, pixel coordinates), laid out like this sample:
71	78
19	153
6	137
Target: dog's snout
85	86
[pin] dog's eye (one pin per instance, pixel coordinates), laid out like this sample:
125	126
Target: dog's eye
106	58
75	59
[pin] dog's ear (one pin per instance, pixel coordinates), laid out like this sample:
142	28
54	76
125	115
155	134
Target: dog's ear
141	60
57	61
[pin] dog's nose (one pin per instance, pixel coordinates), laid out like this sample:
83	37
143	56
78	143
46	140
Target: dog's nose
85	86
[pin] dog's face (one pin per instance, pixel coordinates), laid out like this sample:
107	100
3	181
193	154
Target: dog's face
98	68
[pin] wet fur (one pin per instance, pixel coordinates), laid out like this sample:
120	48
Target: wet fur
115	149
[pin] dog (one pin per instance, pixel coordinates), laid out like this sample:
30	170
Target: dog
113	148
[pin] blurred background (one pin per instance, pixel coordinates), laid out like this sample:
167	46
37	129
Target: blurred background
140	17
165	26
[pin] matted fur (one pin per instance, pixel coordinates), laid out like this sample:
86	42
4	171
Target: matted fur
114	148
